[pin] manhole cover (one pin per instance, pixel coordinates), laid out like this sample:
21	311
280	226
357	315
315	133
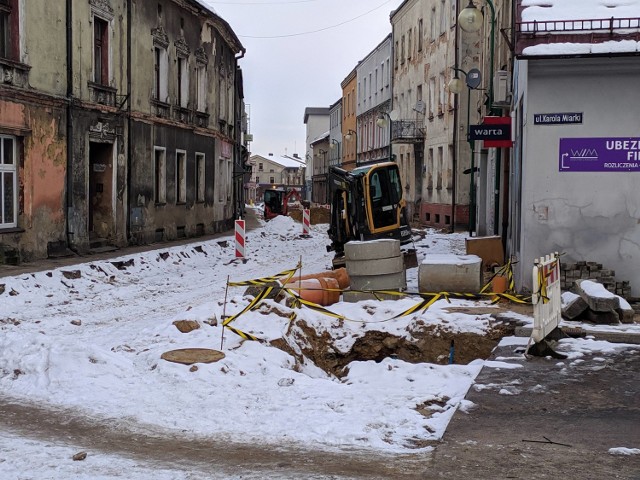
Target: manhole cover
189	356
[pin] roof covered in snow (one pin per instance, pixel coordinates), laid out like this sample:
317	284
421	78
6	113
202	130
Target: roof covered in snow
577	27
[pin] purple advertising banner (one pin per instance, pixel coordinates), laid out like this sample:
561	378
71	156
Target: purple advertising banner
600	154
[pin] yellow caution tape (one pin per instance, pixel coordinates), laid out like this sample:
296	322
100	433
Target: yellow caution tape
241	334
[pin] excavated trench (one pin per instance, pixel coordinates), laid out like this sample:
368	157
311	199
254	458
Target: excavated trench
428	345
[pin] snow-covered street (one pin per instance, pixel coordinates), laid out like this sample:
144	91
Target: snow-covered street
89	338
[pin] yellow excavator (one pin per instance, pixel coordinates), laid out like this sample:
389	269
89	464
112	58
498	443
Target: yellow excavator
367	204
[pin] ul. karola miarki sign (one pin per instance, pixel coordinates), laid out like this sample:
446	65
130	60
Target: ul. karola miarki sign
599	154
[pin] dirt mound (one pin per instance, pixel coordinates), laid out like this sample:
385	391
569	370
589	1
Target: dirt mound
428	345
316	215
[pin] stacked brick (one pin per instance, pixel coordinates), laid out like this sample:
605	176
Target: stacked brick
570	272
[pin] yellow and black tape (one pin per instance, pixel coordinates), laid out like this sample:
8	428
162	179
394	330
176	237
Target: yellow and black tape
241	334
252	306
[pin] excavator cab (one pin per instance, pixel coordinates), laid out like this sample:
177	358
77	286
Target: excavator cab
366	204
273	203
276	201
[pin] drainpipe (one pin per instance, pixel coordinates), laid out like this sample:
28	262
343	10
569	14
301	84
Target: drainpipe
128	203
454	160
69	177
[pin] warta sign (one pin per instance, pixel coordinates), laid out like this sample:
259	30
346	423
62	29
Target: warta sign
495	131
599	154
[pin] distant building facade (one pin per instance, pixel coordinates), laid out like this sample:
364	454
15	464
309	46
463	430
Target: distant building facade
316	120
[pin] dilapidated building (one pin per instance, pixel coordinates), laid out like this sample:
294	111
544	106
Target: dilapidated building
121	122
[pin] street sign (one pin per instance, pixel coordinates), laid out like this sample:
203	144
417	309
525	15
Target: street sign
557	118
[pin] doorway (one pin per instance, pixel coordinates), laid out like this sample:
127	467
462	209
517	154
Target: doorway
100	190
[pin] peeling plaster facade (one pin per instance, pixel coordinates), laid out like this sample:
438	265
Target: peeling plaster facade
92	90
591	216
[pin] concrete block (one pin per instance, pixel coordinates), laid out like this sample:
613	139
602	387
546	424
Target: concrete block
625	312
380	266
450	273
606	318
372	249
573	306
597	296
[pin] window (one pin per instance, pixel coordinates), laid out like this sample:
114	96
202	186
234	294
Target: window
200	177
420	34
260	166
9	29
443	93
221	176
402	53
161	68
181	176
432	96
272	180
100	51
183	82
201	88
440	168
410	43
5	36
443	17
257	179
432	24
8	182
160	175
396	56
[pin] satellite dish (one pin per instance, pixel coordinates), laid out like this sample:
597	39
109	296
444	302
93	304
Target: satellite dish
474	78
394	115
420	107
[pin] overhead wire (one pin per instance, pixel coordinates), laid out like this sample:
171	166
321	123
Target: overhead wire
317	30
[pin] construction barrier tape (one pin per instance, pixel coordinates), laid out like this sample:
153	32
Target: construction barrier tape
241	334
428	298
252	306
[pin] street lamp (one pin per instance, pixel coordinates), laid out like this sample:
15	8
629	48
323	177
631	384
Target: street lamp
470	20
382	122
473	78
349	135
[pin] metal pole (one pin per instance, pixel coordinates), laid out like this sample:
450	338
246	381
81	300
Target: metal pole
472	192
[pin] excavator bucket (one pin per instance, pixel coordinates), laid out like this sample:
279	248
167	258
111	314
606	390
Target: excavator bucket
410	258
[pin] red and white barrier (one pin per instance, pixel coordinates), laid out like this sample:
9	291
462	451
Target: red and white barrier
546	299
240	237
306	222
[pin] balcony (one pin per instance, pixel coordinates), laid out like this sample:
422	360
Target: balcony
590	31
160	109
182	114
103	94
202	119
14	73
407	131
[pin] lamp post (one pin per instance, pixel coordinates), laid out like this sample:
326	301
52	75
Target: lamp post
473	78
382	122
470	20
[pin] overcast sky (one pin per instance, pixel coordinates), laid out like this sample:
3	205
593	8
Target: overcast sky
283	76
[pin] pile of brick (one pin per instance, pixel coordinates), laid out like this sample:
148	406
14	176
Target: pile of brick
596	304
570	272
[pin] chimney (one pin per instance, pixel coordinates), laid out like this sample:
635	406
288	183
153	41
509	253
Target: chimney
295	155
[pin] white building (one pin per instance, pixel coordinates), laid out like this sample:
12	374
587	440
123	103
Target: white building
576	159
317	121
